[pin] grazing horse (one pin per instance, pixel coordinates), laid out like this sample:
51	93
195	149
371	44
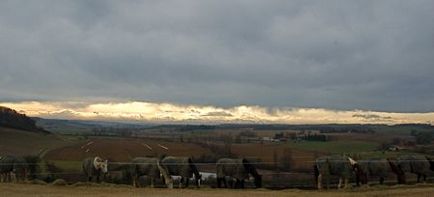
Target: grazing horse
13	169
333	166
375	167
6	168
238	169
184	167
151	167
415	164
94	167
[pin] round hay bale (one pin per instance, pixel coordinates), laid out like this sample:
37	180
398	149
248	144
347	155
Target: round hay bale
59	182
38	182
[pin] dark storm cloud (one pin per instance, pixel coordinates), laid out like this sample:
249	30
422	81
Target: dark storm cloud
374	55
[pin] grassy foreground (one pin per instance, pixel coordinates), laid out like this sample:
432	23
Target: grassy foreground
50	190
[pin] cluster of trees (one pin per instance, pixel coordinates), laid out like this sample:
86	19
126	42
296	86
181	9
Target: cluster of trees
423	137
307	136
113	131
316	137
348	130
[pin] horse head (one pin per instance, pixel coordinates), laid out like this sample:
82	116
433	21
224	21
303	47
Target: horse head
361	175
100	164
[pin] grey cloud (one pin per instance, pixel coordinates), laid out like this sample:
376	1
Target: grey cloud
373	117
373	55
218	113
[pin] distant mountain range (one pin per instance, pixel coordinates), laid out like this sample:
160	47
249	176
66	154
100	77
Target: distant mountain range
12	119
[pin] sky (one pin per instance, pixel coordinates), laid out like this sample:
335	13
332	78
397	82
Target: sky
308	61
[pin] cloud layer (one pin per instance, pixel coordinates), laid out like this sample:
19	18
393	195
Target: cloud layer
193	114
344	55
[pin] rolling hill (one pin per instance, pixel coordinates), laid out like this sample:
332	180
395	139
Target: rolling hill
19	135
12	119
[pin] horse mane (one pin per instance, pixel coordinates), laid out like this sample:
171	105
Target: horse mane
398	171
164	171
193	168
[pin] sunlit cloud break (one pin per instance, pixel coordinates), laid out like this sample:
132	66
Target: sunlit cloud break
151	112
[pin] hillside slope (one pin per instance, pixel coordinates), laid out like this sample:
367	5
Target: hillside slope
23	142
12	119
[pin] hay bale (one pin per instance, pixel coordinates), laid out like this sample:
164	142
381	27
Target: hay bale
79	184
38	182
59	182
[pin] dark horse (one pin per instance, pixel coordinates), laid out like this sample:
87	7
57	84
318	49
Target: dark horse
238	169
184	167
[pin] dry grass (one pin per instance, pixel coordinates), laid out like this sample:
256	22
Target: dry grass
113	190
18	142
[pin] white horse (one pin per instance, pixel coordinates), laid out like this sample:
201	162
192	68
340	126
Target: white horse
94	167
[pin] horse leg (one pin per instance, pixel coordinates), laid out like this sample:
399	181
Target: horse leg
242	184
418	178
186	182
234	183
13	177
319	181
134	181
381	180
328	182
340	182
180	183
230	183
219	182
225	182
345	183
152	182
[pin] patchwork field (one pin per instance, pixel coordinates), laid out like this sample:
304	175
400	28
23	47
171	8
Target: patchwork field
282	164
123	149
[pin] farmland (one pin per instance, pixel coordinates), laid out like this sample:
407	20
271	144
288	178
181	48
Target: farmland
283	163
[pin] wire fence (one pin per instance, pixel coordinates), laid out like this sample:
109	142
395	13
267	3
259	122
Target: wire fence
229	163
